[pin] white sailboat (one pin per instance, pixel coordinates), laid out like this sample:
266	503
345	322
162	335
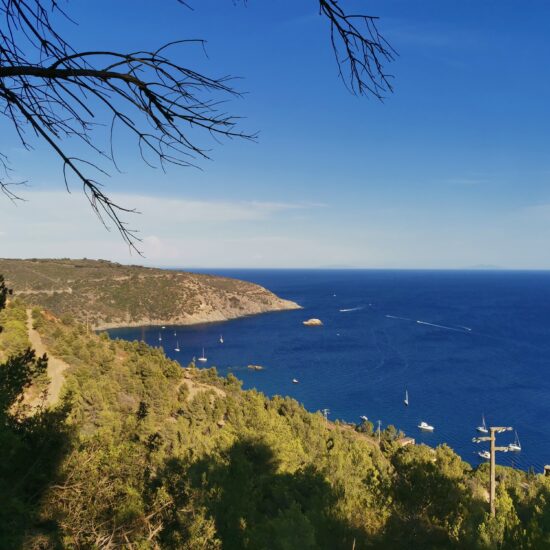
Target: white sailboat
483	428
177	348
426	427
406	400
202	358
516	445
221	339
175	333
160	337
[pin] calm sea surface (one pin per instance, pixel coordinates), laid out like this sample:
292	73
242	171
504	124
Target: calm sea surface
462	343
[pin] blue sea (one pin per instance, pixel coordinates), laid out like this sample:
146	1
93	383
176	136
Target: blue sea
463	343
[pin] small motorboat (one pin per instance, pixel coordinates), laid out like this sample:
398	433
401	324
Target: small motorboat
295	381
364	418
485	455
426	427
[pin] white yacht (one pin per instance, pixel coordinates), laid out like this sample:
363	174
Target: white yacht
485	455
295	381
364	418
483	428
203	358
516	445
426	427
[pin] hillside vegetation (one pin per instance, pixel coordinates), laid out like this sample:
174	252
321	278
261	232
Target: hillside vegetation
143	454
110	295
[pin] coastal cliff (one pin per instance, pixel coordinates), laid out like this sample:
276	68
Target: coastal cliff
110	295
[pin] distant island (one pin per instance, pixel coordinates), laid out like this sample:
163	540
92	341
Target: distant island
109	295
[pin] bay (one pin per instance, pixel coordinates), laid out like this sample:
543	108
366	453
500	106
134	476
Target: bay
463	343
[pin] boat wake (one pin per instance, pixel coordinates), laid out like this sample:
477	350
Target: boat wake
396	317
456	329
351	309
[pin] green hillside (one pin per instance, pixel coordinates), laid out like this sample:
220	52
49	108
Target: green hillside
108	294
143	454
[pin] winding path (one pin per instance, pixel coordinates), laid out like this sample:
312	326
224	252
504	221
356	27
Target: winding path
56	366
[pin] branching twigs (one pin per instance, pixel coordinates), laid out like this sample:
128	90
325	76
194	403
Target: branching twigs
360	50
61	94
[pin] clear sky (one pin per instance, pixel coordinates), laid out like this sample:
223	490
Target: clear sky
451	171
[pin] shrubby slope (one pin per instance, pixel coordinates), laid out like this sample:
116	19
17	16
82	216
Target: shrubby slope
109	294
150	455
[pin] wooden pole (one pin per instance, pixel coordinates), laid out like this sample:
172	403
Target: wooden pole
492	474
492	465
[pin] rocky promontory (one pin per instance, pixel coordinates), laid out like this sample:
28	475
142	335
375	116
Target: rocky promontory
108	295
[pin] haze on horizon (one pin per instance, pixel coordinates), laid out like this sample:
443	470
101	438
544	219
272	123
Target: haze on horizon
451	171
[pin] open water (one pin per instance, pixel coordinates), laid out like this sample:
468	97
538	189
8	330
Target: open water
463	343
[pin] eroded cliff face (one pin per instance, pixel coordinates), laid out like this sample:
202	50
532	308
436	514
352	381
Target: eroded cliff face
108	295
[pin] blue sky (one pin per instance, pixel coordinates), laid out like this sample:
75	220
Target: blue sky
451	171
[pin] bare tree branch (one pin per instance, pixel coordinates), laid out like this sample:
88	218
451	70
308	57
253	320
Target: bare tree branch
360	50
60	94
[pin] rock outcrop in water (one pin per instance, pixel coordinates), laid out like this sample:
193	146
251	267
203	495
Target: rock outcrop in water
313	323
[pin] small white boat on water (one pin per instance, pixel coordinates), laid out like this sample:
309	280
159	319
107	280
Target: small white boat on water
515	447
163	327
221	339
426	427
175	334
177	348
295	381
483	428
160	337
485	455
406	400
203	358
364	418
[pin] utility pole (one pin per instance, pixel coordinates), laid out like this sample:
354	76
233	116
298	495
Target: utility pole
492	466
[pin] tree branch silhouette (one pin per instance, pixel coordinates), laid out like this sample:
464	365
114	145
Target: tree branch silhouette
59	94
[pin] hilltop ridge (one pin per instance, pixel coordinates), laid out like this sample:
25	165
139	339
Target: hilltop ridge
109	295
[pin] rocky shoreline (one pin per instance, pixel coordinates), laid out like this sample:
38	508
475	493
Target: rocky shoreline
106	295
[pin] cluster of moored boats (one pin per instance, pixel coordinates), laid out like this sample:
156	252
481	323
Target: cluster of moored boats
514	447
202	358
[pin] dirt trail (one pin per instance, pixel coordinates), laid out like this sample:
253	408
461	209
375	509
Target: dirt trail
195	387
56	366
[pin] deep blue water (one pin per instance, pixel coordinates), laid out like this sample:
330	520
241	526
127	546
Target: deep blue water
490	354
